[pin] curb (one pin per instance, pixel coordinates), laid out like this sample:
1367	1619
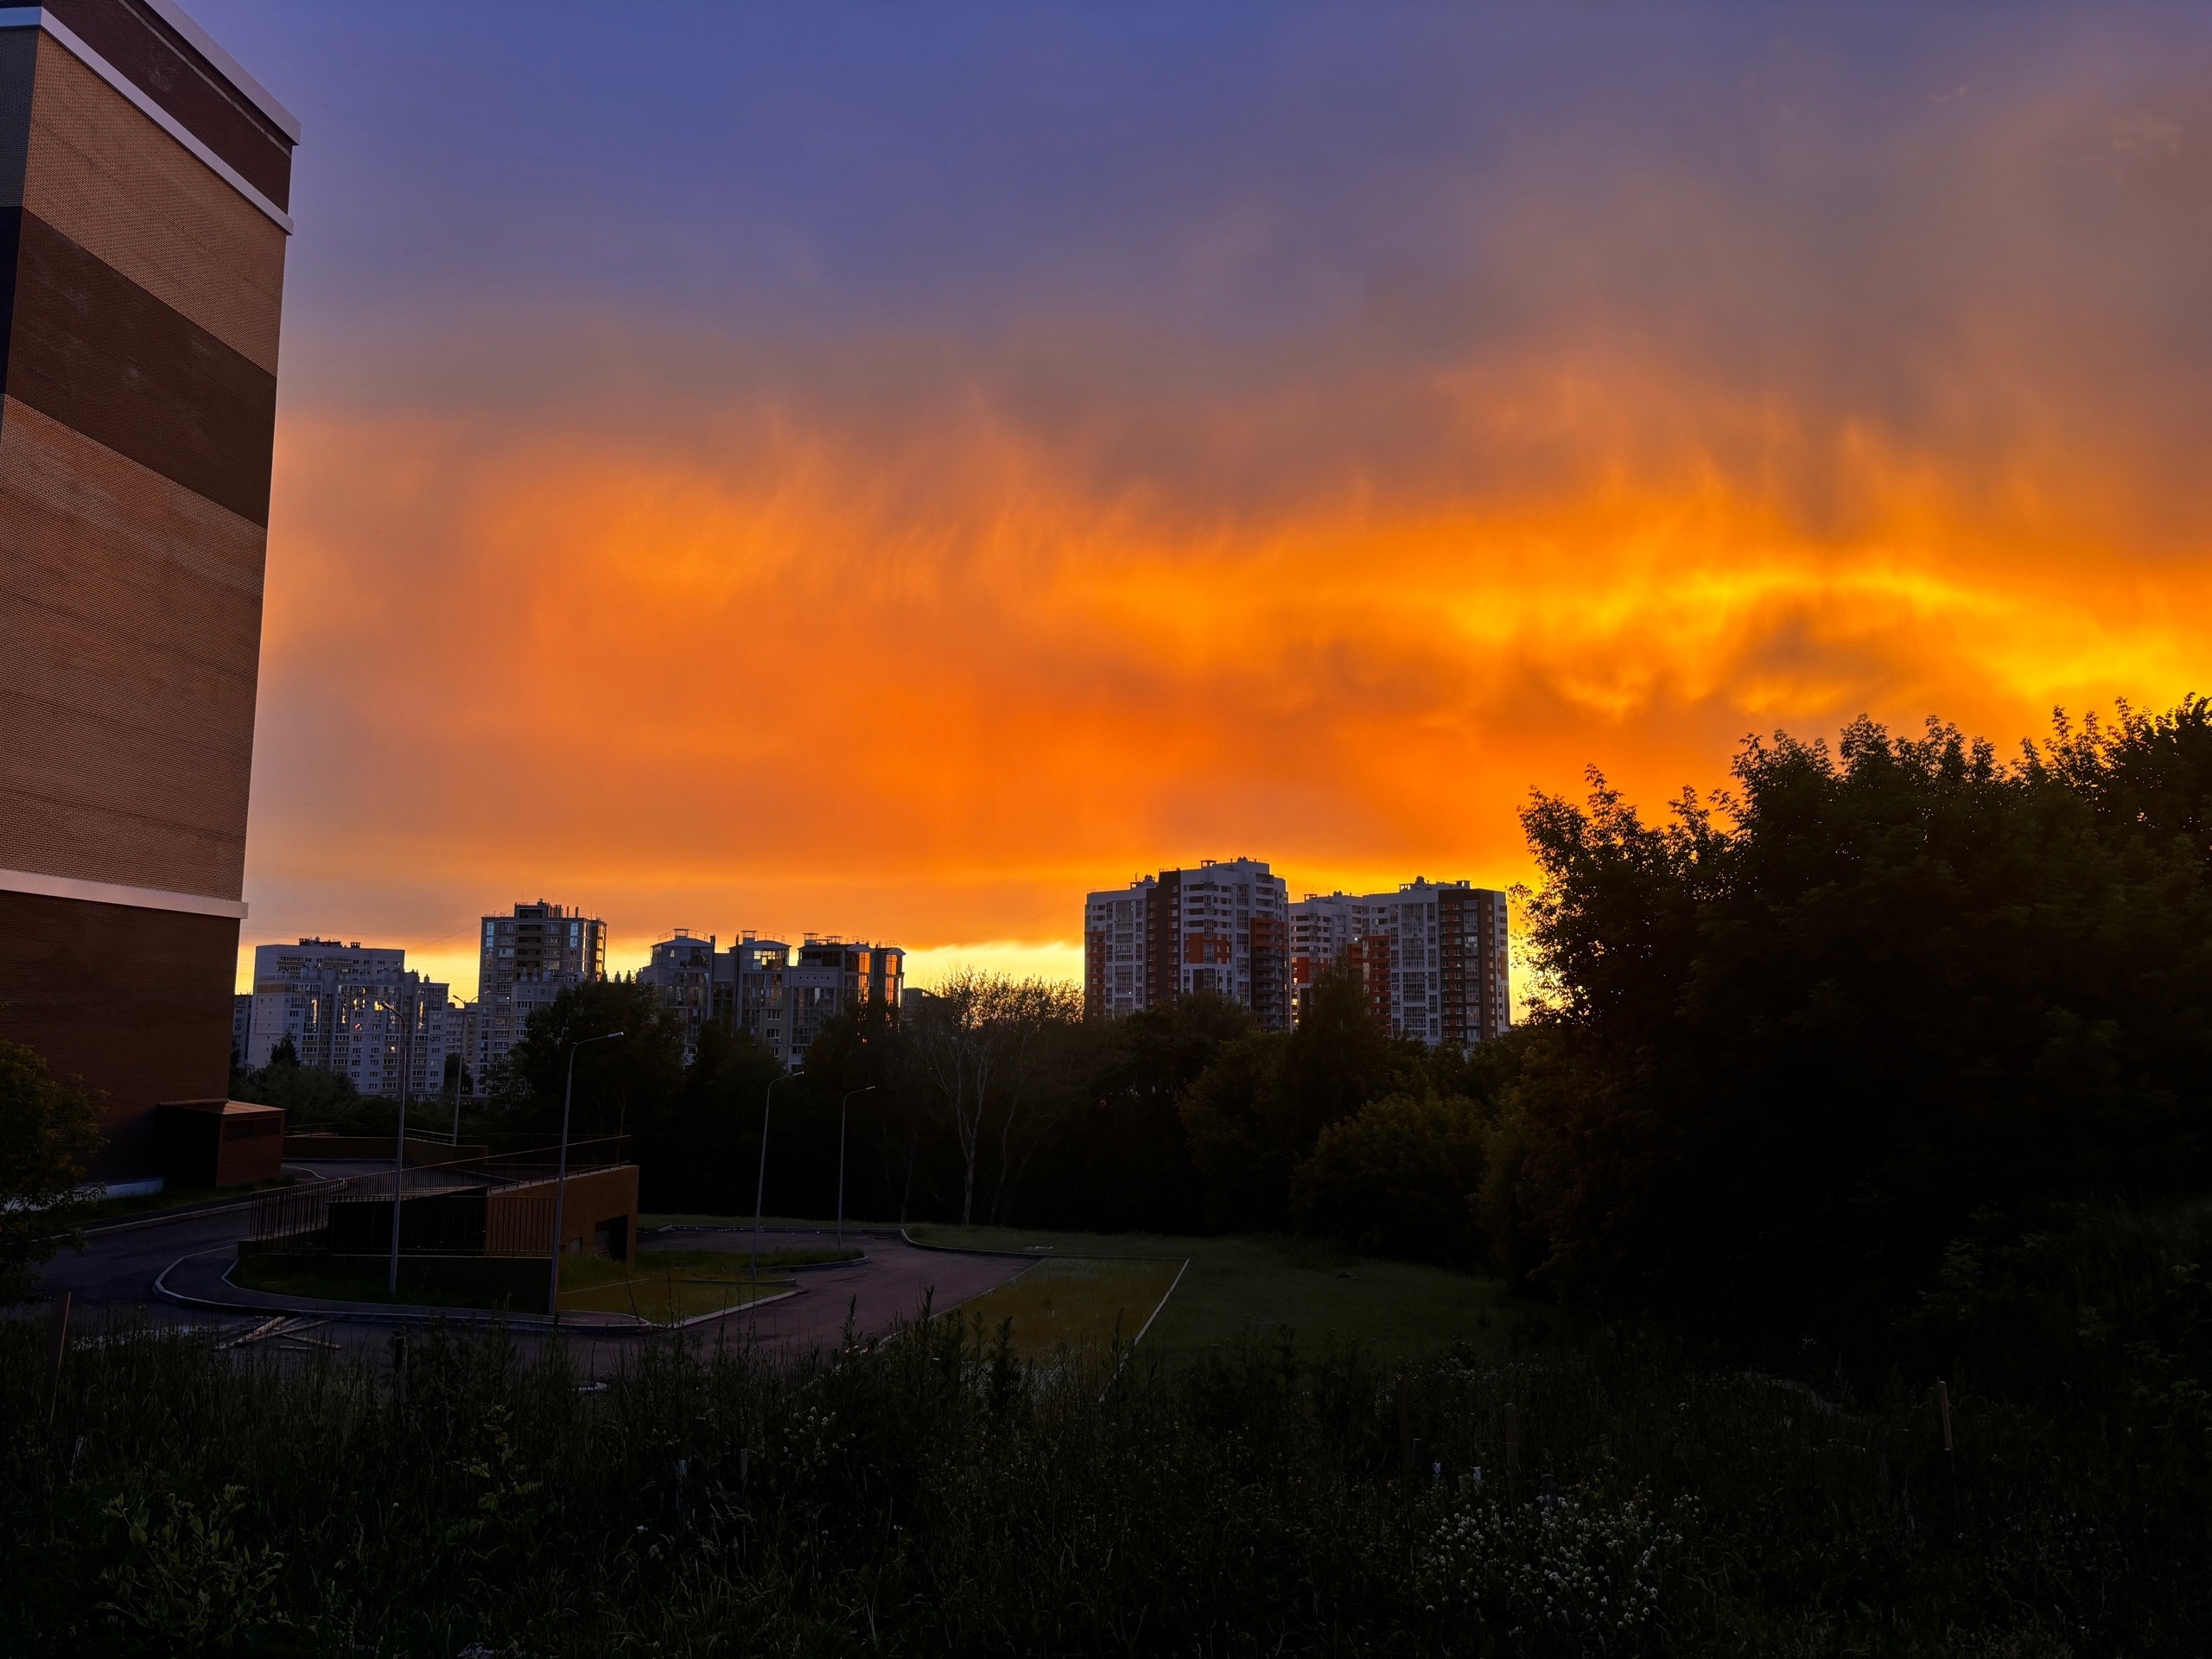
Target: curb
1047	1255
195	1212
788	1267
418	1314
966	1250
1164	1298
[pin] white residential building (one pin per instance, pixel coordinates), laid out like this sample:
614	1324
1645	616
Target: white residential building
1224	927
528	959
357	1011
1433	956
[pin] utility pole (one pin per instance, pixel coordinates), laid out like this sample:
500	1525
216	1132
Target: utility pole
761	1186
841	1111
398	1188
561	1176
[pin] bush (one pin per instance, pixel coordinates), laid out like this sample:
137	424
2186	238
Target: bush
932	1495
50	1132
1398	1178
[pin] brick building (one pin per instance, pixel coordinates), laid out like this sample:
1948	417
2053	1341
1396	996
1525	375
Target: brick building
145	179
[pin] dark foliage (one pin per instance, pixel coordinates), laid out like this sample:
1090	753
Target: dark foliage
936	1496
1809	1028
49	1134
312	1098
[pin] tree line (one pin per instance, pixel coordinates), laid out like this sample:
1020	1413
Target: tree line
1798	1044
1805	1050
990	1100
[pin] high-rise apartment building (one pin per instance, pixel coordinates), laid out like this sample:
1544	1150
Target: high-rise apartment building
361	1013
830	976
144	178
749	990
1224	927
681	969
308	993
759	987
1432	955
527	959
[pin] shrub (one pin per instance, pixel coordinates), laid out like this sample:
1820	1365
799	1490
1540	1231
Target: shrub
1398	1178
49	1131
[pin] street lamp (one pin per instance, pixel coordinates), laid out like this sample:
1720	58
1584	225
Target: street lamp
561	1176
760	1187
841	1111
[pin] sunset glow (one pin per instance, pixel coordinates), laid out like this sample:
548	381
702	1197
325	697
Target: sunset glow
776	589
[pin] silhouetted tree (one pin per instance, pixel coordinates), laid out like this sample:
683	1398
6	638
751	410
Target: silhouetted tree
49	1134
1805	1029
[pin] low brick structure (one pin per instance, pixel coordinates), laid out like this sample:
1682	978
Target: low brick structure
599	1213
220	1142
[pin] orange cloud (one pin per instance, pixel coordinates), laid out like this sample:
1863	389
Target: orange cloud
920	642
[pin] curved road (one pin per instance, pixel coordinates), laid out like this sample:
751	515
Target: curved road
116	1271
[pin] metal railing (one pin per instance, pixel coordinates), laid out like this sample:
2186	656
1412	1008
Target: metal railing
477	1207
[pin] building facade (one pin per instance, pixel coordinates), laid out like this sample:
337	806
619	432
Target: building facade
1432	957
829	976
145	183
361	1013
749	990
527	959
780	998
1223	928
681	969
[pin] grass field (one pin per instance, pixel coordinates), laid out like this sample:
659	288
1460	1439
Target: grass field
662	1286
1244	1286
359	1282
1252	1285
1074	1302
668	1286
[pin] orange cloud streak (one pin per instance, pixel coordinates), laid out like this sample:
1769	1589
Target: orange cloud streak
888	640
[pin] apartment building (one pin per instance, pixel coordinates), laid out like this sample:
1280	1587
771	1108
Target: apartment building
1223	927
1432	955
360	1011
681	969
830	975
144	184
527	959
749	990
780	997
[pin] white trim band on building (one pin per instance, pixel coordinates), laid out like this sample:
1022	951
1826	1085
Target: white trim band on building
39	17
110	892
230	69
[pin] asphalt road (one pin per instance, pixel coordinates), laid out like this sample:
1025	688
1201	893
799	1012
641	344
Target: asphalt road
114	1275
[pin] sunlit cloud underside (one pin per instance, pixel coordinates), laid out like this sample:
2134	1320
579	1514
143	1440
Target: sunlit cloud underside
915	633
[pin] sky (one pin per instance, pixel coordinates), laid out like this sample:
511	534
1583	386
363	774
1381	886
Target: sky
889	470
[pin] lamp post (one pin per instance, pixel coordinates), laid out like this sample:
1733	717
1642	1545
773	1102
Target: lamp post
841	1111
561	1176
398	1189
760	1187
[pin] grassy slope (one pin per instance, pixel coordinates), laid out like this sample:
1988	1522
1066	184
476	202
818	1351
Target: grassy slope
660	1284
1398	1309
1073	1301
1234	1286
347	1282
